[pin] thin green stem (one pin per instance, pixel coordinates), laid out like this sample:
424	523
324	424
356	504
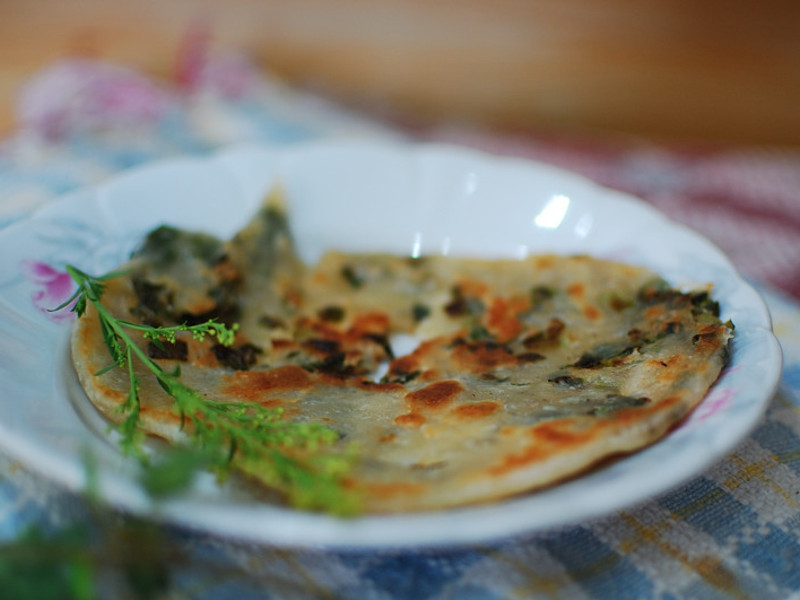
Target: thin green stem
247	430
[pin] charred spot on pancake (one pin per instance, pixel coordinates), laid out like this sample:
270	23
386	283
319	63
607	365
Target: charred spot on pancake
435	395
604	354
343	354
457	306
331	314
461	304
223	311
410	420
567	381
332	364
255	385
635	334
322	346
382	341
576	290
271	322
239	358
492	376
400	376
591	312
478	357
616	301
403	369
530	357
378	386
546	337
475	410
387	438
704	338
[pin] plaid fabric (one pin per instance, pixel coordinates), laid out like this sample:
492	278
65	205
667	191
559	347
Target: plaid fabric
733	532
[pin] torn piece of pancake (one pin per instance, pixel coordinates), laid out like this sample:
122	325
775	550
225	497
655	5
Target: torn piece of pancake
526	372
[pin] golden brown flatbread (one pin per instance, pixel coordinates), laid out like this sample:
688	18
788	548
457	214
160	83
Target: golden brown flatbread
516	374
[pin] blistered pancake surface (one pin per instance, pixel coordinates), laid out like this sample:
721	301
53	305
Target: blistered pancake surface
457	380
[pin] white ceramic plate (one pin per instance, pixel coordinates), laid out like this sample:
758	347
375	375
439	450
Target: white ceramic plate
356	197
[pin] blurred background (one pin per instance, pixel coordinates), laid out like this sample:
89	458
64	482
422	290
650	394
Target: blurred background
691	105
713	71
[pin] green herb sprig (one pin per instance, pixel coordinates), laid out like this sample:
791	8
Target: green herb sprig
244	434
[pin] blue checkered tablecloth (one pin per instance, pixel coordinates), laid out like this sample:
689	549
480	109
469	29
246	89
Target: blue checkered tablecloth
731	533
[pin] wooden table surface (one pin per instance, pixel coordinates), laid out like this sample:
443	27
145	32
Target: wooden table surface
713	70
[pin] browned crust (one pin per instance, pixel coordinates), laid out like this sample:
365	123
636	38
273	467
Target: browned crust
447	427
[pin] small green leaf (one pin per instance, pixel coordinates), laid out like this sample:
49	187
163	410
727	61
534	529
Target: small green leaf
175	470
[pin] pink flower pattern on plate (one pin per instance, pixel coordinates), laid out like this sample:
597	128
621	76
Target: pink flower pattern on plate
54	287
719	399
